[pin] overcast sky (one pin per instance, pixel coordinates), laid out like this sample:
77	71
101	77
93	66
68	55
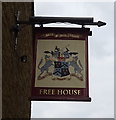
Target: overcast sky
101	62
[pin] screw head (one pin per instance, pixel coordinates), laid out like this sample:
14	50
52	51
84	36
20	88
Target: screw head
23	59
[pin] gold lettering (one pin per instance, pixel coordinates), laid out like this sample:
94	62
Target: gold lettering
70	92
79	92
59	92
65	92
45	92
49	91
41	90
75	92
61	35
53	92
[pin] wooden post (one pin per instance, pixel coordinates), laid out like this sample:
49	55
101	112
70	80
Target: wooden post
16	75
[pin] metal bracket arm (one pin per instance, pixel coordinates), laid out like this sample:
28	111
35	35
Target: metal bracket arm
46	20
72	20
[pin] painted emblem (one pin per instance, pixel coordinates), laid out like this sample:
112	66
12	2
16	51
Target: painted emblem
61	68
57	64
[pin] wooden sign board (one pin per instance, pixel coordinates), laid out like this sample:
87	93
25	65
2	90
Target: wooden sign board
60	69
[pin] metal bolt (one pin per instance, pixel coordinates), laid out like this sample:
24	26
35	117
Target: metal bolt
23	59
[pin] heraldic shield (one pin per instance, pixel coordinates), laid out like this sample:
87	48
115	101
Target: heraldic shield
61	68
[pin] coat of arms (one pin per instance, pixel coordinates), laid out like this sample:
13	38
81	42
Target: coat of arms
57	64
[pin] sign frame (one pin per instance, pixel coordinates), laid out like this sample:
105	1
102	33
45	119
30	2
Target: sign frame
65	93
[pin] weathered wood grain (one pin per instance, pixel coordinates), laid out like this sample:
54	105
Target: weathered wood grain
16	76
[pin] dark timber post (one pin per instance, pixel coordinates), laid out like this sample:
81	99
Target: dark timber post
16	73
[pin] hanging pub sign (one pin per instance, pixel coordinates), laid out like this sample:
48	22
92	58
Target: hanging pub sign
60	69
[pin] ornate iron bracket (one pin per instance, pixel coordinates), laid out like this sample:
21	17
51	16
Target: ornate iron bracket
46	20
